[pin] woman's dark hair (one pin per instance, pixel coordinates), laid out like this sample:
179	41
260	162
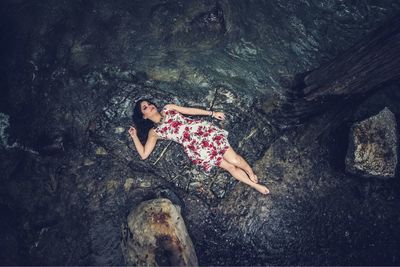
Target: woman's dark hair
142	126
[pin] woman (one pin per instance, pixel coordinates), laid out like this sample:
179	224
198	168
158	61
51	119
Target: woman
205	144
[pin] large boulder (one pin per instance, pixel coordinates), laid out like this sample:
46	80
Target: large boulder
372	150
157	236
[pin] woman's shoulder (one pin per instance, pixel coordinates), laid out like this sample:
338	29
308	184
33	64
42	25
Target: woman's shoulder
168	108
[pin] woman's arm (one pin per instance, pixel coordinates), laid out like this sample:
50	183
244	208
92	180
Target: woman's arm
196	111
144	151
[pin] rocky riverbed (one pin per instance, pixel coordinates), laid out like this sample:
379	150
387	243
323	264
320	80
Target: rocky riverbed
70	176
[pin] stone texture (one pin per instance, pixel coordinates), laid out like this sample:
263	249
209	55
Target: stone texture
373	144
128	184
101	151
157	236
4	124
78	66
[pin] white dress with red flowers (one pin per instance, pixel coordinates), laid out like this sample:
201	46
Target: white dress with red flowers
204	143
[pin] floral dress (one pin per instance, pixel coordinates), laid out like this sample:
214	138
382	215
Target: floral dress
204	143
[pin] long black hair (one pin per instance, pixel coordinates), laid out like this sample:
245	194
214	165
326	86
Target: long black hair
142	126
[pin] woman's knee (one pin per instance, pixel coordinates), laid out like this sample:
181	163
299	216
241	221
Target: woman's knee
235	159
232	157
227	166
238	159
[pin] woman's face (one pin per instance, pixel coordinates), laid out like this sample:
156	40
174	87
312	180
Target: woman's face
147	109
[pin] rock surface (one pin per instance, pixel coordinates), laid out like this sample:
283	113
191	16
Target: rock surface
156	236
373	146
70	174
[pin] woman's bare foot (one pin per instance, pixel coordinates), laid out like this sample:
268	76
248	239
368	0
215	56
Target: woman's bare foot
262	189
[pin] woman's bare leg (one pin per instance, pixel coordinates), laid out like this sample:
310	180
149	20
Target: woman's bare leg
240	175
232	157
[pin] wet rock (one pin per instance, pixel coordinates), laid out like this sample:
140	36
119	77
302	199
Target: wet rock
164	74
112	186
119	130
88	162
4	124
50	144
210	22
101	151
81	65
249	134
372	150
157	236
128	184
80	55
145	184
171	196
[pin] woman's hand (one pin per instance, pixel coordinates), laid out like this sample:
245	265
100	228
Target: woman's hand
132	131
219	115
